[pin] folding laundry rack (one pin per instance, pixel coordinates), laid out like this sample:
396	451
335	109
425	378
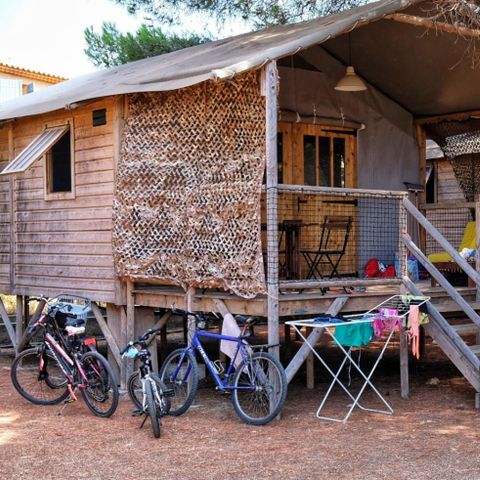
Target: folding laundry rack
396	302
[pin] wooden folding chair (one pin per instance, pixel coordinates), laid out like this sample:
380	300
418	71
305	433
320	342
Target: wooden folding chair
331	247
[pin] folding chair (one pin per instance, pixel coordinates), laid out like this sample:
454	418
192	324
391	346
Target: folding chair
331	247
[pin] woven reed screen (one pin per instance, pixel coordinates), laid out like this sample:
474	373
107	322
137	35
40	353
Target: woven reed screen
187	199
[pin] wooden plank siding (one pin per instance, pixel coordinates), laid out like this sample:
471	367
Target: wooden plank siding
65	245
5	230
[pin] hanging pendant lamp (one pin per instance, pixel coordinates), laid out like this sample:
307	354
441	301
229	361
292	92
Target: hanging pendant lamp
350	82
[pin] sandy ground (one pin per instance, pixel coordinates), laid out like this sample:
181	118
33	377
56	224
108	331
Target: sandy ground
433	435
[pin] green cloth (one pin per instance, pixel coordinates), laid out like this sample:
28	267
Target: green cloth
354	335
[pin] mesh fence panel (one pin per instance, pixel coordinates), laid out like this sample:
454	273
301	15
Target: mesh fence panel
333	235
451	223
187	197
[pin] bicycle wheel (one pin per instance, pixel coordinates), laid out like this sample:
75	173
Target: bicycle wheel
165	400
134	388
38	377
180	372
261	389
152	410
99	387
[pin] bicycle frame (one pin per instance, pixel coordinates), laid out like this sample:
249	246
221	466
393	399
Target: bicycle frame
66	363
196	345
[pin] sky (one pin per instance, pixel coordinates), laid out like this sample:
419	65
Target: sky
47	35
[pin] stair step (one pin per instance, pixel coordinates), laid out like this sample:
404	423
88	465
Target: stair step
452	307
466	329
475	349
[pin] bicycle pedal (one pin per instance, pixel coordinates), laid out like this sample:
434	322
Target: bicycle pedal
137	413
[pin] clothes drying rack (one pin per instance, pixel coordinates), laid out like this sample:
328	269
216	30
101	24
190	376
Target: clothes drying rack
398	307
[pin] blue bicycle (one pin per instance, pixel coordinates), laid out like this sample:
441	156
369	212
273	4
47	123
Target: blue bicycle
256	379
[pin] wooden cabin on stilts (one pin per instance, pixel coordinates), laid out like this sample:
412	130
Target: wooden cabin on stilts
239	176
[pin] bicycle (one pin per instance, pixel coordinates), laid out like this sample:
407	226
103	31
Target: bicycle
147	392
256	379
52	371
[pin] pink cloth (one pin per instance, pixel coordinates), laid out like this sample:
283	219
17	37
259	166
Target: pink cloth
388	319
414	330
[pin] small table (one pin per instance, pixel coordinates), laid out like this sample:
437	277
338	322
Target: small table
328	327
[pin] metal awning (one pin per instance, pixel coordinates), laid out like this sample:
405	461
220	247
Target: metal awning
35	149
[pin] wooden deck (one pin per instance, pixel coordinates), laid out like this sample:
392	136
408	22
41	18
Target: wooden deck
290	304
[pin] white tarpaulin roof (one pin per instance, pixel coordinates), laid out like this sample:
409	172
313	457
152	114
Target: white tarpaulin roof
219	59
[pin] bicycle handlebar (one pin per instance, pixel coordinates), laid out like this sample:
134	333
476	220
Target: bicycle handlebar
141	340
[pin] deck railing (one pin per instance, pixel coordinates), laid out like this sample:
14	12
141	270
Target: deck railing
327	236
450	219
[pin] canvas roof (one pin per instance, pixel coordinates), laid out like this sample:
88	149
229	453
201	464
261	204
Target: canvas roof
420	72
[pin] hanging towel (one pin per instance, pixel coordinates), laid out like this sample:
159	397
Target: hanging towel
354	335
230	328
414	334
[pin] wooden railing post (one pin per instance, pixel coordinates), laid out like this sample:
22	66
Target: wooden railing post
269	90
477	247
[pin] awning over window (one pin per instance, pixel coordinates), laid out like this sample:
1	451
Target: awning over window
35	150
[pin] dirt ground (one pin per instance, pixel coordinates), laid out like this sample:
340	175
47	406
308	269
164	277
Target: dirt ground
433	435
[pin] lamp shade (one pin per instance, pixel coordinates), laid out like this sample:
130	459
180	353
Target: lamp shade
350	82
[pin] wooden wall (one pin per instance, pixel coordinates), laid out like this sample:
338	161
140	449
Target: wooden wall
5	230
65	245
448	189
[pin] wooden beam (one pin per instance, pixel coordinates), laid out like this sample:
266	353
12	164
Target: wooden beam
19	319
457	116
446	205
11	207
36	315
269	89
417	21
440	239
191	324
160	324
130	324
344	282
404	377
343	192
303	352
8	324
112	343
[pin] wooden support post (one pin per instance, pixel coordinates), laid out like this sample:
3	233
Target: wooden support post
8	324
191	325
163	343
19	319
269	90
477	247
130	323
107	333
304	350
151	342
310	366
36	315
114	322
422	176
404	380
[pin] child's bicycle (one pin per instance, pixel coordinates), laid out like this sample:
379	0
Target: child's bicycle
256	379
147	392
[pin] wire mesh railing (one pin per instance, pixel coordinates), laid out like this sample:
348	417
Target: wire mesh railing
451	221
333	235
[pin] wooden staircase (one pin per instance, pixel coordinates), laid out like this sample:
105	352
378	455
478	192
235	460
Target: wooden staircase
459	341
